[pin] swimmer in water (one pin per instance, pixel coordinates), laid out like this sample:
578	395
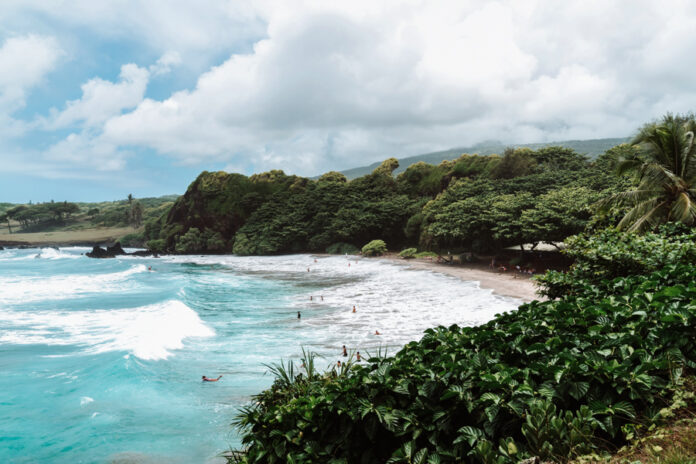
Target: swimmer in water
357	356
310	298
322	297
345	352
353	308
299	316
208	379
377	332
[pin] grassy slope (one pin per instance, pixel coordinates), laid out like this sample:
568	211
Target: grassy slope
80	228
63	237
592	148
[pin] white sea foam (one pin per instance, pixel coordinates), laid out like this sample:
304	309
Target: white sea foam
148	332
52	253
86	400
399	302
23	289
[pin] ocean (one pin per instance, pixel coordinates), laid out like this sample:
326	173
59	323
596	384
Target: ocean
101	359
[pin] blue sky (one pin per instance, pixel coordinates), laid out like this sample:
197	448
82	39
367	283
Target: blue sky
102	99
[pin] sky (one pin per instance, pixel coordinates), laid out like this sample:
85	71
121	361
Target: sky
102	99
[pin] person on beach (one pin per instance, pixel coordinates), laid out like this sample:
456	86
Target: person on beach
345	352
357	356
353	308
208	379
299	316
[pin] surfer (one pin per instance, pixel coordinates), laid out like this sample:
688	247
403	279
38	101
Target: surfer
208	379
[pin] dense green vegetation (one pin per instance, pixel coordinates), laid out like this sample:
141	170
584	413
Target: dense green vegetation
554	379
584	372
67	216
664	170
473	203
591	148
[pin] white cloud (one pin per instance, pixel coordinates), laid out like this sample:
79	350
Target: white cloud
165	63
24	62
335	84
102	99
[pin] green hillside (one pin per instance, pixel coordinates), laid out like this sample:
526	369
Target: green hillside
591	148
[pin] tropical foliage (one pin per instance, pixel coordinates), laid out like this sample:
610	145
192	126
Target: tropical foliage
374	248
664	169
472	203
554	379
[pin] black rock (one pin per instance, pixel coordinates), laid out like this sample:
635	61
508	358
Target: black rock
116	249
99	252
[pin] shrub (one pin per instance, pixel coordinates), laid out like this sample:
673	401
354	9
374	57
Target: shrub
375	248
426	254
553	379
600	258
133	240
408	253
214	241
157	246
342	248
192	241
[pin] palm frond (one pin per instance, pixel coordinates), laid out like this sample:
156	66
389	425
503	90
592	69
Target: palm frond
683	209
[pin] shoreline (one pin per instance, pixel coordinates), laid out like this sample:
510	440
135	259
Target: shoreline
521	287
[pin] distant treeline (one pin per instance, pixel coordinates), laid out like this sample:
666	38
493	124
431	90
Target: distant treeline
68	215
40	213
473	203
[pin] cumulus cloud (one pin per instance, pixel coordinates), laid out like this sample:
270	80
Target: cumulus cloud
24	61
332	85
102	99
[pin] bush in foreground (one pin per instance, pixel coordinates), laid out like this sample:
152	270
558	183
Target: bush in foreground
554	379
375	248
408	253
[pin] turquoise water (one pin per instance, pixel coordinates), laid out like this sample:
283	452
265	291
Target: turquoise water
101	360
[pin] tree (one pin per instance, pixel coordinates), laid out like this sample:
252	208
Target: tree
664	169
6	217
514	163
136	214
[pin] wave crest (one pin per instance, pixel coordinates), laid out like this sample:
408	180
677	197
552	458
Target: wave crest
149	332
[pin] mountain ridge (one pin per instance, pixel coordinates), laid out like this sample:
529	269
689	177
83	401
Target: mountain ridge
590	147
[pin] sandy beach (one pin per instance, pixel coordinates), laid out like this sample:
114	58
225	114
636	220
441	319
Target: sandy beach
506	284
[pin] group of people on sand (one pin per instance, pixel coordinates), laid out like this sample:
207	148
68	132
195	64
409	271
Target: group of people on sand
518	270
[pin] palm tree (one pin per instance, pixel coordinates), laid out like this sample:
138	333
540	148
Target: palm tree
664	167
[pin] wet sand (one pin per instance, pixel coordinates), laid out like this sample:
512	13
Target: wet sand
505	284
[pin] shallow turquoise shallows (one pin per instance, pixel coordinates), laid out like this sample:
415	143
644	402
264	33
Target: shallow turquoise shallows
101	360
